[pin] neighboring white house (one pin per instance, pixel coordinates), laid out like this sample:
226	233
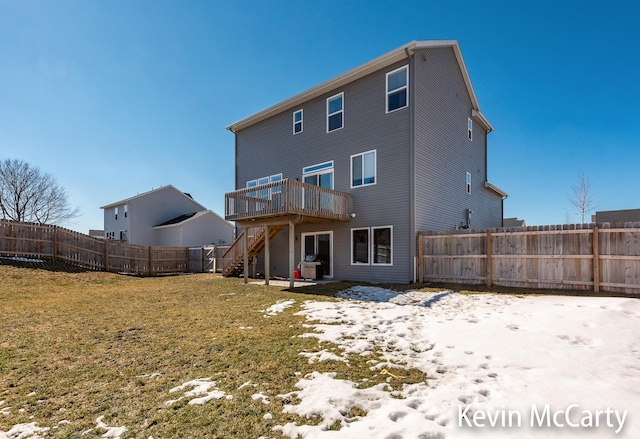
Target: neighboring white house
165	217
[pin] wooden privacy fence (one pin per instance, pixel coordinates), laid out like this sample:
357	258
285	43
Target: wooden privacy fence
583	257
45	242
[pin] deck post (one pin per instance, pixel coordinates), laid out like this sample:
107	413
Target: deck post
266	254
291	254
245	256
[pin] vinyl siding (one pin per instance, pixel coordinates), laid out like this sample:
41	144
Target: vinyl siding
443	152
269	147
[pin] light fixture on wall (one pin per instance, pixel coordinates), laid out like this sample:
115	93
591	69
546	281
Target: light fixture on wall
353	215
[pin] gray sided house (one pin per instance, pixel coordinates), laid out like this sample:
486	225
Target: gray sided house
165	217
355	167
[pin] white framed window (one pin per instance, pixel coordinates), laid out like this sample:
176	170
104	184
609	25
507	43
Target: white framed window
297	121
360	246
319	175
468	183
470	129
126	210
335	112
363	169
265	193
372	246
397	89
116	216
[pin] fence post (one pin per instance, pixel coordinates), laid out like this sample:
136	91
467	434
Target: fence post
106	255
55	243
596	261
149	269
489	252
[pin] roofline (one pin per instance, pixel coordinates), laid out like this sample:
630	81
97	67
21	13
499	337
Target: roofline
198	214
496	189
403	52
127	200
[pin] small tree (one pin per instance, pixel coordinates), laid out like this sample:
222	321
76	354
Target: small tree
581	196
27	194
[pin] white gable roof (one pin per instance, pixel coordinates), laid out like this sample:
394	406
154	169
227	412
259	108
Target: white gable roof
144	194
372	66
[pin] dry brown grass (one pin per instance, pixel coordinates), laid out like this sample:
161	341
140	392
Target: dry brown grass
77	346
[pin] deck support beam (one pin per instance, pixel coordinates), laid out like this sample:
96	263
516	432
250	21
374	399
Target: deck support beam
266	254
291	254
245	246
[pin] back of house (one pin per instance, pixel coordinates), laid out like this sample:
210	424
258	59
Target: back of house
401	138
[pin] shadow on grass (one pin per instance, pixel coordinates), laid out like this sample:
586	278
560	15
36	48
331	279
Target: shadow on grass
49	265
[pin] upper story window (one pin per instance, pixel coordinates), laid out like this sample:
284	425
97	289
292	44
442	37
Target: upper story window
265	193
126	210
470	129
363	169
397	86
116	216
297	122
468	182
335	112
319	175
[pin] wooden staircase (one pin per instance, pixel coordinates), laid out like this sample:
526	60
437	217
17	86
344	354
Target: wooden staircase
233	258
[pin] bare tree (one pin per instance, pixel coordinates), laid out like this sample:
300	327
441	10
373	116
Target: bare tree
27	194
581	196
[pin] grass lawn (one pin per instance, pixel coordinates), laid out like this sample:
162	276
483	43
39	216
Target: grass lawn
75	347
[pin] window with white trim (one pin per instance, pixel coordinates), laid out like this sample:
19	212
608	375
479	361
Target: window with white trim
470	129
360	246
372	246
363	169
381	245
335	112
397	89
126	210
468	185
297	121
265	193
116	217
319	175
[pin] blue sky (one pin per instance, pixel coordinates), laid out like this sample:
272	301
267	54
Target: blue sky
115	98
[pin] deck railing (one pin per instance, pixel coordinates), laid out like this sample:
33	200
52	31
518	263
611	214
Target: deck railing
286	197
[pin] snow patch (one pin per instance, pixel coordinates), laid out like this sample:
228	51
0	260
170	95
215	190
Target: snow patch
114	432
200	386
24	431
278	307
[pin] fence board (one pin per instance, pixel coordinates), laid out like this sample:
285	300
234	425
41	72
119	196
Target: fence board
535	257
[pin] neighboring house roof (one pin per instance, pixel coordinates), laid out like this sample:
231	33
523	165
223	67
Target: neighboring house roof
513	222
177	220
161	188
182	219
622	216
372	66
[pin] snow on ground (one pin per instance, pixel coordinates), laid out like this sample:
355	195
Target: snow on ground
22	431
200	386
493	364
279	307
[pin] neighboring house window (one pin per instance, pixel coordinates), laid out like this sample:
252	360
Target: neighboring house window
372	246
397	86
335	112
360	246
126	210
468	182
116	213
363	169
470	129
297	122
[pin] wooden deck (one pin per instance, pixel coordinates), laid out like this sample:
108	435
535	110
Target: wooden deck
285	199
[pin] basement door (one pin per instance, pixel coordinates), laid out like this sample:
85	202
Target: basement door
321	244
